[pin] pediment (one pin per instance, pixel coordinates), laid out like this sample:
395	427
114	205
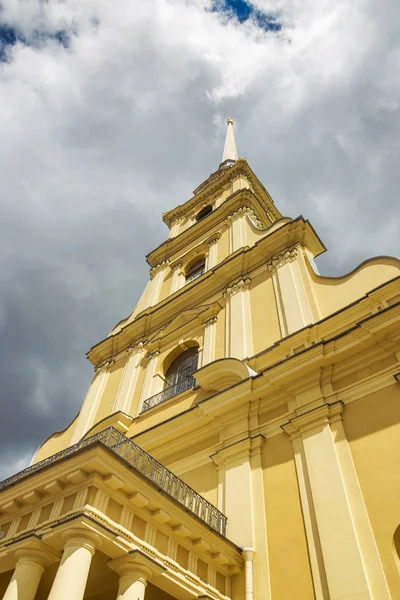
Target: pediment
184	319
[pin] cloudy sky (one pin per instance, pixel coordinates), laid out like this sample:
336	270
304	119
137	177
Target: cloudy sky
113	112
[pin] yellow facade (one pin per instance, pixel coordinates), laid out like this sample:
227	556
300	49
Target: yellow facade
240	437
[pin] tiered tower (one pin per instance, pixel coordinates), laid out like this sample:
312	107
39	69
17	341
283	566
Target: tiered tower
239	437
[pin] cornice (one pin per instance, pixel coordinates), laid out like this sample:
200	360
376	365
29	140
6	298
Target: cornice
243	198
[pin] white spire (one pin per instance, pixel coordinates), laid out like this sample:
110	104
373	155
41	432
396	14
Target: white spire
230	154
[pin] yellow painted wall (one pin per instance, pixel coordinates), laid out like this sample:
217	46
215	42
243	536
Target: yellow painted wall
166	284
333	294
204	480
287	547
223	245
372	426
220	335
264	313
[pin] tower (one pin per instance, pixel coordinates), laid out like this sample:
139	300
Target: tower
238	439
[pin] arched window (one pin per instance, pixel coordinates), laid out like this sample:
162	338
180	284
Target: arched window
182	369
196	270
204	212
178	378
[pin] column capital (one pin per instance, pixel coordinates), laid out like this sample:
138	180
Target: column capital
136	347
214	240
79	537
278	260
177	220
152	354
317	417
234	452
104	367
239	286
241	212
35	556
158	268
136	565
176	266
210	321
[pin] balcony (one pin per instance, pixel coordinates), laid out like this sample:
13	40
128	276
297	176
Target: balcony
141	463
182	384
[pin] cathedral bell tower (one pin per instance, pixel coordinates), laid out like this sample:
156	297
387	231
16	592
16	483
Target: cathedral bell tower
226	445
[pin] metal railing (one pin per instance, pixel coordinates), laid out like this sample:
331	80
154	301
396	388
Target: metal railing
192	275
182	384
143	463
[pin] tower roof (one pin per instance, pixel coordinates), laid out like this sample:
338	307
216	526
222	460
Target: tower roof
230	154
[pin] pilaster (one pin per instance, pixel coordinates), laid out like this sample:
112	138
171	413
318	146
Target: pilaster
148	383
92	401
210	329
157	275
291	298
239	339
241	497
212	253
344	559
177	279
129	379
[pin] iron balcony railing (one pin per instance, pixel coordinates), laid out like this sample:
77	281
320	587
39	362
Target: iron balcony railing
181	385
142	463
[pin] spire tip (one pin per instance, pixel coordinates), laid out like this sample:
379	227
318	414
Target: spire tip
230	155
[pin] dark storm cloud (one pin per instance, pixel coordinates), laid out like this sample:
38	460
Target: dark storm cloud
100	137
52	312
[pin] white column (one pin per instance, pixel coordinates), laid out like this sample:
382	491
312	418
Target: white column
157	278
91	403
291	298
330	496
212	254
210	328
239	336
177	279
133	577
129	379
73	571
29	568
148	383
